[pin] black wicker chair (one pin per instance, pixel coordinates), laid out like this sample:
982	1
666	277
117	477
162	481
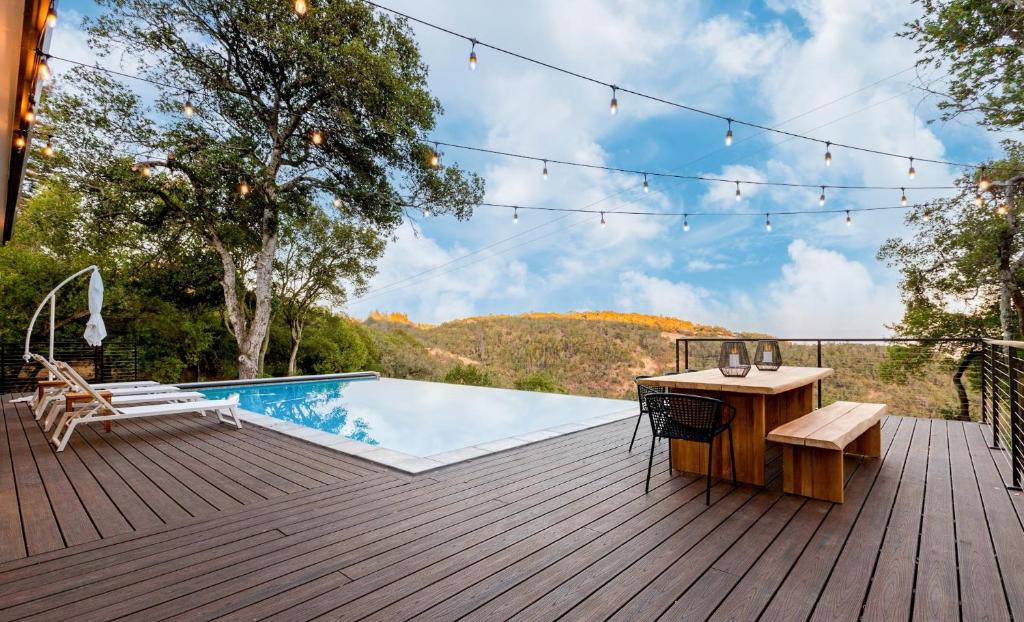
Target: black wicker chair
690	418
642	390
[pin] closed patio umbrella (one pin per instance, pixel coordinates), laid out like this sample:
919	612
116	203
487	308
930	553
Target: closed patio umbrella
95	330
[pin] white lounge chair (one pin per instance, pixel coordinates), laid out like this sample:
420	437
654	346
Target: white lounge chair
52	396
103	410
129	400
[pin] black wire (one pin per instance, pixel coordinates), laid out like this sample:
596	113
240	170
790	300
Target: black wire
724	214
115	72
617	88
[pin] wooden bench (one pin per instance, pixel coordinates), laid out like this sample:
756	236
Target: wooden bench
812	459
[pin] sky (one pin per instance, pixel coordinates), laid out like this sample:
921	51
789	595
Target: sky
831	69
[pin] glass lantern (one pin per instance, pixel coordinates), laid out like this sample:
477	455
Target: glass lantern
733	360
767	355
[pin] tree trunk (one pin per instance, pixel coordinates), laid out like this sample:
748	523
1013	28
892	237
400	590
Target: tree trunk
249	335
296	326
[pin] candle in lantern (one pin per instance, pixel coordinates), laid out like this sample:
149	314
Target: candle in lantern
734	357
766	356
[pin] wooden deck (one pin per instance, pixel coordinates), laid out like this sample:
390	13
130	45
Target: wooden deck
182	519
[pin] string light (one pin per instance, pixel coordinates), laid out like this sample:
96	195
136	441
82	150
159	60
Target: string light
19	141
300	7
316	137
44	68
337	203
828	154
170	157
647	186
686	223
435	157
188	109
911	173
426	212
1002	210
979	200
903	198
984	182
48	149
849	219
472	55
51	17
738	194
146	171
603	223
767	222
821	198
926	216
243	188
515	216
728	134
613	107
544	174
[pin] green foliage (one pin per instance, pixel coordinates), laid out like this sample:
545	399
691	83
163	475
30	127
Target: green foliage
979	44
538	381
469	374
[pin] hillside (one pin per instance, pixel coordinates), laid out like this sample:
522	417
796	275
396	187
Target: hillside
598	353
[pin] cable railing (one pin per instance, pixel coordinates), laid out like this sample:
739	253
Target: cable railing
115	360
1002	400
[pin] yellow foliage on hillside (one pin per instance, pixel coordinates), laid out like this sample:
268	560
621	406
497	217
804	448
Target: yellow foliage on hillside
395	317
659	322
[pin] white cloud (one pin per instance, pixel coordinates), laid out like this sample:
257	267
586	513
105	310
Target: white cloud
736	51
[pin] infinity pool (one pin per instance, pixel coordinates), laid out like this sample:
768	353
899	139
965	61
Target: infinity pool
404	419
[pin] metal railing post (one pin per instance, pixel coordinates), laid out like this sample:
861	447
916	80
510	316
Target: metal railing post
3	369
677	357
686	356
1014	420
819	380
995	400
984	415
135	359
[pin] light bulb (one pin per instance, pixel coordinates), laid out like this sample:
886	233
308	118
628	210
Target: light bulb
821	198
170	156
146	171
44	69
426	212
19	141
317	137
686	224
188	109
435	158
926	216
728	135
48	149
984	183
1002	210
911	172
30	116
828	154
301	7
849	221
979	200
603	223
472	57
613	107
739	195
337	202
903	198
544	174
515	216
243	188
647	186
51	17
767	222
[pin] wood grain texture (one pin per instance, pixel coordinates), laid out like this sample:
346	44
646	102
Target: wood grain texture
757	381
833	427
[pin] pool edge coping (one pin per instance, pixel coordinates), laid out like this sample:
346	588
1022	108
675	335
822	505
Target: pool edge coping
416	465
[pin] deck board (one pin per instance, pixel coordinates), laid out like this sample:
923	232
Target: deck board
186	519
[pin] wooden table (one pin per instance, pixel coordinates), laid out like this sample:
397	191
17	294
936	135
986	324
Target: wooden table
763	401
72	398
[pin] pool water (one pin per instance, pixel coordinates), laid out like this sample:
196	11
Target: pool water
415	417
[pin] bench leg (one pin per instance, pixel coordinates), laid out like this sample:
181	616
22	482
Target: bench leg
868	444
813	472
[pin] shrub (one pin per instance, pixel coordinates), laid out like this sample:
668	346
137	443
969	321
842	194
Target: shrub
469	374
538	381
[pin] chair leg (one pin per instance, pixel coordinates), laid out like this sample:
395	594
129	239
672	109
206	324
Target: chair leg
650	462
635	429
670	457
732	458
707	493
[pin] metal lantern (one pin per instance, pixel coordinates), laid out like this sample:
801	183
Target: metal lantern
733	360
767	355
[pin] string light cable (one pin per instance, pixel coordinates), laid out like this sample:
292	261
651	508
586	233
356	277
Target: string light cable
616	89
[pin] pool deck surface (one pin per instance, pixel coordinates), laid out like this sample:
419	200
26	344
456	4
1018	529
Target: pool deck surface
181	518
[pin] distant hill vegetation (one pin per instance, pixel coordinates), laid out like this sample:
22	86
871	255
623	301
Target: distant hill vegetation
598	353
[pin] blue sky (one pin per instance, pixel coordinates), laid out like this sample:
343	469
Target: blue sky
827	68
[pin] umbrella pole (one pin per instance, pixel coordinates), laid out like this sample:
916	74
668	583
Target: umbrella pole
52	298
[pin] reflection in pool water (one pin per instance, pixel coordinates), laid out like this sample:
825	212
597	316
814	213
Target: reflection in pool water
418	418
